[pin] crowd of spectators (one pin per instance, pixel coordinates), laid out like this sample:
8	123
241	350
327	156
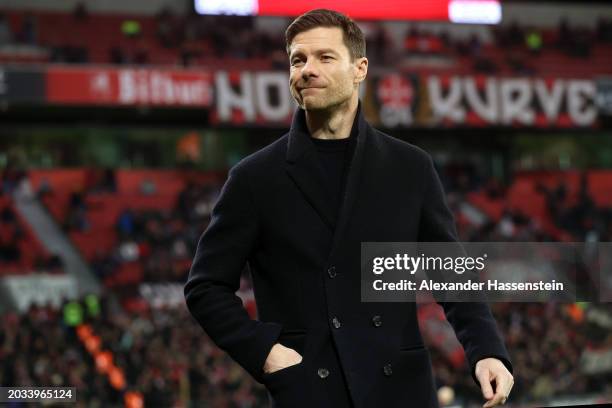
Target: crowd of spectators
38	349
575	214
194	39
96	180
582	218
546	344
162	241
514	44
180	360
575	41
164	356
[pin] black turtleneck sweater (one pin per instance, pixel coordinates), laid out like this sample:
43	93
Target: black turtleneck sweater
334	156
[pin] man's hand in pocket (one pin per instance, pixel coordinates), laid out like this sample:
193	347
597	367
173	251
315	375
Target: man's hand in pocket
281	357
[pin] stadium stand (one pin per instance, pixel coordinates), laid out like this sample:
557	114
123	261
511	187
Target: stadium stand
20	250
197	41
137	228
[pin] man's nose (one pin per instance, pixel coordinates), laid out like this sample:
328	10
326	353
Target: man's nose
309	69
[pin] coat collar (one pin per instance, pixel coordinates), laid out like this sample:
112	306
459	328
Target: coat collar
299	136
303	167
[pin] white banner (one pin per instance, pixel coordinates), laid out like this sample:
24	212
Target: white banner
39	289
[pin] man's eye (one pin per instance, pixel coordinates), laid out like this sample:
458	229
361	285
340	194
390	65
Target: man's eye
296	61
327	57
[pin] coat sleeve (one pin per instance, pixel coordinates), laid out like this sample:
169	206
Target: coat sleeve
210	292
472	322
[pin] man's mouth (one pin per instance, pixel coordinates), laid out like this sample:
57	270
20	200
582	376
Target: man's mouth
309	88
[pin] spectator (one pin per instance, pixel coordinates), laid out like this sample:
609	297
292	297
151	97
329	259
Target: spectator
131	28
165	30
10	252
109	180
533	41
125	223
76	217
7	216
604	30
6	36
28	32
118	56
80	12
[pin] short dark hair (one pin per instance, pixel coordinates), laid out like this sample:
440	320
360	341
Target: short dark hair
351	33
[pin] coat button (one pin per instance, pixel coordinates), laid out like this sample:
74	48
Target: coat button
331	271
387	370
336	322
323	372
377	321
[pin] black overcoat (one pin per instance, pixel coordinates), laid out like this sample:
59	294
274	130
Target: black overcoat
273	213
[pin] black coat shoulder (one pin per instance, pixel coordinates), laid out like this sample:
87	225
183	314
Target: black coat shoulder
269	156
407	150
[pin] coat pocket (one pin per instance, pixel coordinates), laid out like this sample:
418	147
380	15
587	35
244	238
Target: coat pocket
281	376
286	386
294	339
415	364
288	383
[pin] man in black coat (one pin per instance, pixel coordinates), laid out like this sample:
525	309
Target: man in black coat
296	212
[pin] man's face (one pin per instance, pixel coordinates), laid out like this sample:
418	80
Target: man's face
322	74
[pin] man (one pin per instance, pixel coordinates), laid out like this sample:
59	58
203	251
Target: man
297	212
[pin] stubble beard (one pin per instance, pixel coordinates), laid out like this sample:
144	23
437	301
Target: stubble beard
326	101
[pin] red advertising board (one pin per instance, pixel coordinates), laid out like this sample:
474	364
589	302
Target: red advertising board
125	87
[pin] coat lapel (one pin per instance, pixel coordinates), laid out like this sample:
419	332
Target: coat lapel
305	170
303	167
353	182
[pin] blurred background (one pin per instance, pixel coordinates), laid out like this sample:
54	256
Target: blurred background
120	119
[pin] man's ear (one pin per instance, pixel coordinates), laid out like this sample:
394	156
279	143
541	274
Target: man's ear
361	69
